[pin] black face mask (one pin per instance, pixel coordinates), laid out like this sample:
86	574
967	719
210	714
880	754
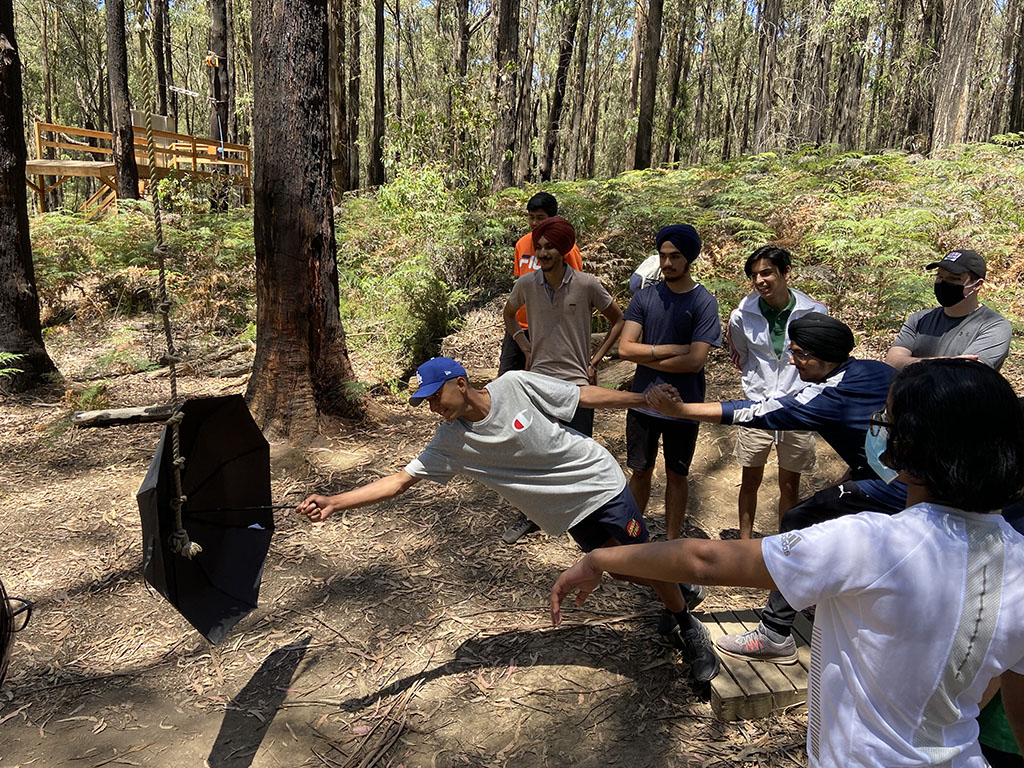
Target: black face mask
948	294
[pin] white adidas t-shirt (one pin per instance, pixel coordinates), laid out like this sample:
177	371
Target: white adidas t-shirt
915	614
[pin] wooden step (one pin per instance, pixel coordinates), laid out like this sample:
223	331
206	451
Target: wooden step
743	689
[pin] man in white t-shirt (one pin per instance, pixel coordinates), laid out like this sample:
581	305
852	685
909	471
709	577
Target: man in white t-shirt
916	612
510	437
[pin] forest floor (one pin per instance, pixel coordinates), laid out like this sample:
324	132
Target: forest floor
406	634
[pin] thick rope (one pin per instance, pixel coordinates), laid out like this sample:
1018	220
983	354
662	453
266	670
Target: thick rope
179	539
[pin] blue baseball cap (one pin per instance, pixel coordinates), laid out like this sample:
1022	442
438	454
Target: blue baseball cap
432	375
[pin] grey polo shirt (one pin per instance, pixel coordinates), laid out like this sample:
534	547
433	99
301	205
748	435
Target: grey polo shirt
559	321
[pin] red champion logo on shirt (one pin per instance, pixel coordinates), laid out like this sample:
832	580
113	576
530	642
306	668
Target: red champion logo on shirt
522	421
633	529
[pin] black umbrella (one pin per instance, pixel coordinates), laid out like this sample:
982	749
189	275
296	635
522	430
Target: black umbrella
226	479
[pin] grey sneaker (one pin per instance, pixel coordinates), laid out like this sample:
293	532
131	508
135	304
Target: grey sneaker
521	527
755	645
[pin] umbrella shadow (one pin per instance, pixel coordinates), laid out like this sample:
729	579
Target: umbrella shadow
251	712
541	650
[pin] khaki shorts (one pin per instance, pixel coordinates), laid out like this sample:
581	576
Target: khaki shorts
795	449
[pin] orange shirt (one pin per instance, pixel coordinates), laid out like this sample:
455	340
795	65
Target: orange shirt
526	262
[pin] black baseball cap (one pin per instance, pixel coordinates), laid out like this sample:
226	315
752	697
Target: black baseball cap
961	261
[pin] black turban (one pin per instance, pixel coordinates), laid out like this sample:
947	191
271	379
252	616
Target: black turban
682	236
822	336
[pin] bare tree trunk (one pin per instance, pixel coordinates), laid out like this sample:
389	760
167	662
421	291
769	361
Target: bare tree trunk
398	60
999	101
565	46
847	115
1015	118
639	31
375	172
232	110
506	91
649	87
526	106
159	20
20	329
219	82
172	98
768	29
920	115
590	147
731	89
120	105
301	366
52	202
572	147
354	82
676	83
338	95
960	29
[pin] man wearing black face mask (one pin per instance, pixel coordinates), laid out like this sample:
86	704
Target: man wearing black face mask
960	326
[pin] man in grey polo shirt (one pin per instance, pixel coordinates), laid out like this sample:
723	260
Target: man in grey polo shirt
560	302
510	437
960	326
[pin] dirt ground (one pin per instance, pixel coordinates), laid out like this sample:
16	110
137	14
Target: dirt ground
406	634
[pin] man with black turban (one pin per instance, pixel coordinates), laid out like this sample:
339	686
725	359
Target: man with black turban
843	398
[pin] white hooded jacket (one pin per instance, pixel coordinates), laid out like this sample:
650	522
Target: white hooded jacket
765	376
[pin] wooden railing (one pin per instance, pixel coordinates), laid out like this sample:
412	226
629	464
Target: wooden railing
177	151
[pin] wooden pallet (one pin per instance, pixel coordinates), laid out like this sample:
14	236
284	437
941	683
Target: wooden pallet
744	690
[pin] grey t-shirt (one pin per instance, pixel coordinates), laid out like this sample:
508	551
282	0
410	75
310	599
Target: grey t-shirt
932	333
553	474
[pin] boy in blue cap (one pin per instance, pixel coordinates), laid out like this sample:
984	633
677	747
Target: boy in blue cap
562	480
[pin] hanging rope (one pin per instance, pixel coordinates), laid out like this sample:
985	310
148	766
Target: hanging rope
179	539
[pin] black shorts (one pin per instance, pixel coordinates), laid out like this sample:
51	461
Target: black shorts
678	440
512	357
582	421
618	519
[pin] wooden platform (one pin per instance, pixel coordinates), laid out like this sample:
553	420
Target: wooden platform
744	690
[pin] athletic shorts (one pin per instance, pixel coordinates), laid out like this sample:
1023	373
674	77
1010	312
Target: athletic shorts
512	357
678	440
795	449
618	519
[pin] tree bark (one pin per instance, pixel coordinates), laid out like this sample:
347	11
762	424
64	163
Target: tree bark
375	172
20	329
159	20
338	96
506	91
571	164
996	119
1015	118
768	29
526	108
172	96
648	87
301	366
565	46
219	81
232	124
847	116
354	82
590	148
120	105
960	26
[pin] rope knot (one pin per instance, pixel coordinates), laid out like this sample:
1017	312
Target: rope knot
176	418
164	307
160	250
183	545
169	358
179	462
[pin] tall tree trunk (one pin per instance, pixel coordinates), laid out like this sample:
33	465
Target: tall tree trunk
565	46
1015	118
636	57
571	164
590	146
768	29
676	81
920	115
375	172
398	61
159	20
847	114
219	82
232	110
819	76
52	202
301	365
172	97
731	90
960	28
338	95
526	106
20	329
506	91
354	82
1010	12
120	105
649	87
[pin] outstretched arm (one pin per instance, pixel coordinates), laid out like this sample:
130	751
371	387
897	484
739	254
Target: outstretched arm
319	508
602	397
734	563
665	399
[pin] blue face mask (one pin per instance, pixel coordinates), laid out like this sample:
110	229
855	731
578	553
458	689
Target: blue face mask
874	447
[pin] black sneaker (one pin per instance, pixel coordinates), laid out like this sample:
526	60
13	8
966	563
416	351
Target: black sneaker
697	648
521	527
694	595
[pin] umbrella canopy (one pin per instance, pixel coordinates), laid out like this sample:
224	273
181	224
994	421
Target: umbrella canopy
226	478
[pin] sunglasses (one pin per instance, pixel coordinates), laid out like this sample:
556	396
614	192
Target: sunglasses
878	421
20	612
